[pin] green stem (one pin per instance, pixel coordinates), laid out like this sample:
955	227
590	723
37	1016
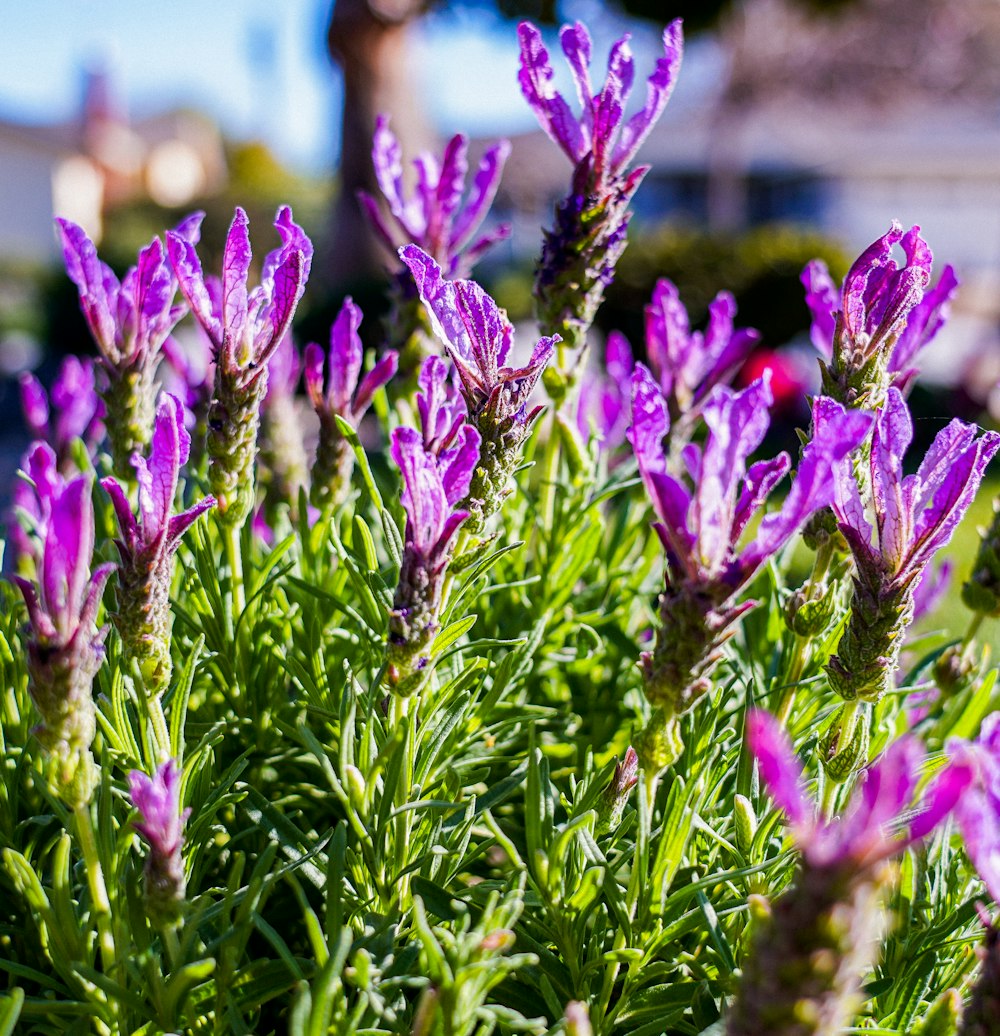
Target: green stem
399	714
550	473
98	894
161	732
970	633
234	558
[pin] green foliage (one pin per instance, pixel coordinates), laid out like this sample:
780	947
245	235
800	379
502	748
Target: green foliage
364	864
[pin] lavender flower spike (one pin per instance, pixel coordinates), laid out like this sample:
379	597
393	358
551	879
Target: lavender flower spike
701	521
580	253
688	364
245	328
803	974
869	335
478	335
129	322
336	389
147	545
437	465
916	516
72	410
161	825
436	217
65	648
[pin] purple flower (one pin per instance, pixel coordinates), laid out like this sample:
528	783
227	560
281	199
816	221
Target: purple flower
245	327
147	544
688	364
440	406
478	336
701	521
605	396
581	251
32	504
701	526
67	595
436	217
157	531
823	933
333	379
916	515
336	389
161	825
71	410
978	811
437	465
129	320
885	815
64	647
882	308
599	137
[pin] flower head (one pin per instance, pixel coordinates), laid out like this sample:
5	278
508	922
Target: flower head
157	531
439	217
65	648
336	389
978	811
605	395
916	515
245	326
71	410
129	319
599	139
882	307
440	406
161	825
333	377
689	364
880	821
478	336
700	526
67	595
437	466
433	485
157	799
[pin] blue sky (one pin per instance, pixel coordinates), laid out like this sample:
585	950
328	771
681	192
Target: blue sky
202	53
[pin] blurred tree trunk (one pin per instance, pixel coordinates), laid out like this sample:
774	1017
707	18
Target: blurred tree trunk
369	39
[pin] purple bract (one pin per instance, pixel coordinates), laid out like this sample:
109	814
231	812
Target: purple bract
436	217
885	815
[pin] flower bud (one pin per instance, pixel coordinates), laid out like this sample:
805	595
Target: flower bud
615	796
577	1019
745	822
843	748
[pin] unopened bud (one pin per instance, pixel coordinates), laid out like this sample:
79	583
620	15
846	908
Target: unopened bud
745	820
809	618
615	795
356	789
577	1019
843	747
955	669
